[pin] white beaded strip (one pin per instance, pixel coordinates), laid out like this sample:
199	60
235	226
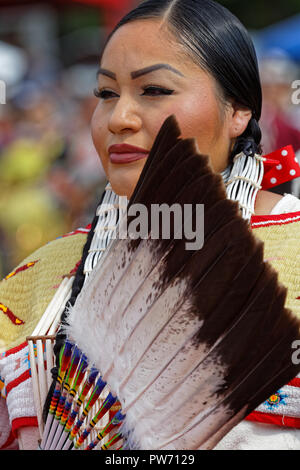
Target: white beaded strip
243	181
243	178
105	230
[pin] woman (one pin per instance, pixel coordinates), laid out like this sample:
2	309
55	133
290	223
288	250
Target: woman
192	59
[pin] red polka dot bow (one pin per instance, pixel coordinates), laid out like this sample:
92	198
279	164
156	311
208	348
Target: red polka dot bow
280	166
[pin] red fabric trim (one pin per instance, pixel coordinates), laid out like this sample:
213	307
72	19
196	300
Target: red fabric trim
74	270
278	219
16	349
9	441
22	268
10	315
83	230
278	420
23	422
295	382
18	381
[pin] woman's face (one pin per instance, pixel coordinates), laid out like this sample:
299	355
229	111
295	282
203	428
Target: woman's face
144	77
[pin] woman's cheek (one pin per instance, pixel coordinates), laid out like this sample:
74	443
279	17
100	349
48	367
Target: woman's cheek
99	138
157	121
95	129
178	108
201	122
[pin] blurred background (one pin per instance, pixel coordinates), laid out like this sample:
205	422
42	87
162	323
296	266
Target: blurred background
51	176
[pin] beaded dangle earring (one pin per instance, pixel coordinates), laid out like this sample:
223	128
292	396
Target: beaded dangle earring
243	180
108	217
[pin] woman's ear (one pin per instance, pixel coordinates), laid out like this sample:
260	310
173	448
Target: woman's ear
239	120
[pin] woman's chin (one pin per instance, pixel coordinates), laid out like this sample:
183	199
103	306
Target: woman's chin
123	180
122	188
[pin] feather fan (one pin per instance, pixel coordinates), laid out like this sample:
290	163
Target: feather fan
190	341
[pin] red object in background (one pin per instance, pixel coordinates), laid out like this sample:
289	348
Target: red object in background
112	4
281	166
112	10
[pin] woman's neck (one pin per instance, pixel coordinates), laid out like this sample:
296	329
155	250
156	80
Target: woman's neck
265	202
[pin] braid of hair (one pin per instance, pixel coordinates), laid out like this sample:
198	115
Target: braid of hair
249	142
76	288
243	176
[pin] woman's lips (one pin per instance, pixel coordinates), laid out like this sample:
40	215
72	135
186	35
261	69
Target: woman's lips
126	157
124	153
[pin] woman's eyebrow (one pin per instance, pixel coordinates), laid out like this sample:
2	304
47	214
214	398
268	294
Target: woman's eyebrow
139	73
152	68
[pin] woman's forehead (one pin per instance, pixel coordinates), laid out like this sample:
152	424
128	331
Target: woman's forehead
144	42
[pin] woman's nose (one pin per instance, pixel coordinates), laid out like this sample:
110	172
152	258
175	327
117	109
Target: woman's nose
124	117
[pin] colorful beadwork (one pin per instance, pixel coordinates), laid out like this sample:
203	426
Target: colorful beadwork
275	400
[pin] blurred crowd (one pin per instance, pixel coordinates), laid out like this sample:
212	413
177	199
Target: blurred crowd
50	173
280	121
51	176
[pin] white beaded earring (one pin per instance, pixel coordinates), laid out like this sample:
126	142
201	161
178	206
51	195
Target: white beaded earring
108	212
243	180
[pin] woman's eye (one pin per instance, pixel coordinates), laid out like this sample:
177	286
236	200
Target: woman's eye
148	91
156	91
104	94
